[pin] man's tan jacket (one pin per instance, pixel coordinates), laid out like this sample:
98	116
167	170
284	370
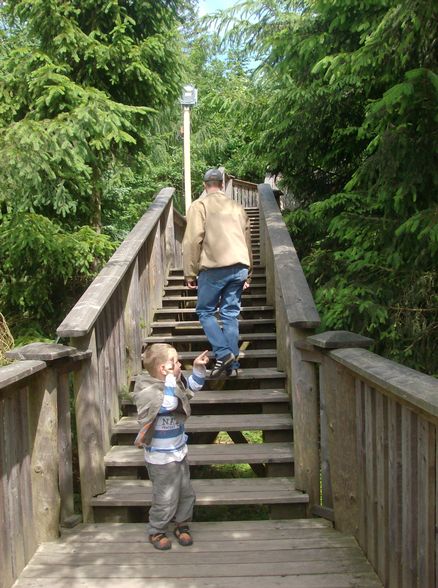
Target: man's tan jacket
217	235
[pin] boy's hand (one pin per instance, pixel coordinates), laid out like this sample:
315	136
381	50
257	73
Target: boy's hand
202	360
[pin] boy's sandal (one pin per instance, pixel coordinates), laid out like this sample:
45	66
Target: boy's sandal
160	541
183	535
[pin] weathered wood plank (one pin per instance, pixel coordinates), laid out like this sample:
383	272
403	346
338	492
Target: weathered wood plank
215	453
249	529
395	495
6	545
89	427
370	474
426	491
43	416
65	451
267	557
212	423
362	580
253	374
326	482
362	530
305	408
131	306
407	385
26	491
14	521
217	491
15	372
382	522
206	571
410	499
339	393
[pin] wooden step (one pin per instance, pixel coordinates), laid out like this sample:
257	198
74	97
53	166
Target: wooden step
164	313
247	299
175	339
257	278
255	287
195	328
262	396
248	354
214	423
209	492
210	454
253	376
257	269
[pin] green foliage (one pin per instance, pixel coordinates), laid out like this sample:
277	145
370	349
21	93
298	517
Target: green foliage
77	93
81	84
44	267
349	118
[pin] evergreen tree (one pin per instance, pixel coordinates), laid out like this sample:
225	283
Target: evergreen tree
81	85
350	120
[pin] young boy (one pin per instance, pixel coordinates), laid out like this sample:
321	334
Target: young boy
162	398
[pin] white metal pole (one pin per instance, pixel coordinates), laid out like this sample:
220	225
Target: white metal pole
187	170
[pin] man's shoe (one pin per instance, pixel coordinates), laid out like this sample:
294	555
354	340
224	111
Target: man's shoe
232	373
222	365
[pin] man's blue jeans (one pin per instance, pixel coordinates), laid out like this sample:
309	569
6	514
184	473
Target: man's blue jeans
221	287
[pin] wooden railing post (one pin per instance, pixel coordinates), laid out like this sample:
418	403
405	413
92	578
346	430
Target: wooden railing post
131	316
339	402
89	425
304	389
43	409
65	451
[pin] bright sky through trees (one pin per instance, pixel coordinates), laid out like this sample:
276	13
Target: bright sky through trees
209	6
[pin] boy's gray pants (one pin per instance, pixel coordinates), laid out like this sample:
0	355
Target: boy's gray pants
173	495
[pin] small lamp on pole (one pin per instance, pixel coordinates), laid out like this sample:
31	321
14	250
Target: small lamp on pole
188	100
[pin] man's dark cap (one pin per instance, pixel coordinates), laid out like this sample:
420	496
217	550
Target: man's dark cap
213	175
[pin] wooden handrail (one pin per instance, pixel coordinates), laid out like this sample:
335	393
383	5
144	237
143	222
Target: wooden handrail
298	301
15	372
418	391
83	315
296	317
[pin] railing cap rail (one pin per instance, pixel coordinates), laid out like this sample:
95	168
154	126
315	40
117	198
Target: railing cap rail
408	385
14	372
83	315
298	300
41	351
339	339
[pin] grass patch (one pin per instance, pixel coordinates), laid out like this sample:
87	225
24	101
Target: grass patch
240	470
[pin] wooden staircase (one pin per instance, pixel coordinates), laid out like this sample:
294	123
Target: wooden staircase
141	293
255	401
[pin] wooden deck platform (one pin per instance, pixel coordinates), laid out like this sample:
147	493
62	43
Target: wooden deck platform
245	554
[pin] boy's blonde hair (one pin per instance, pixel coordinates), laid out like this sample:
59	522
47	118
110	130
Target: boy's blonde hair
154	355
